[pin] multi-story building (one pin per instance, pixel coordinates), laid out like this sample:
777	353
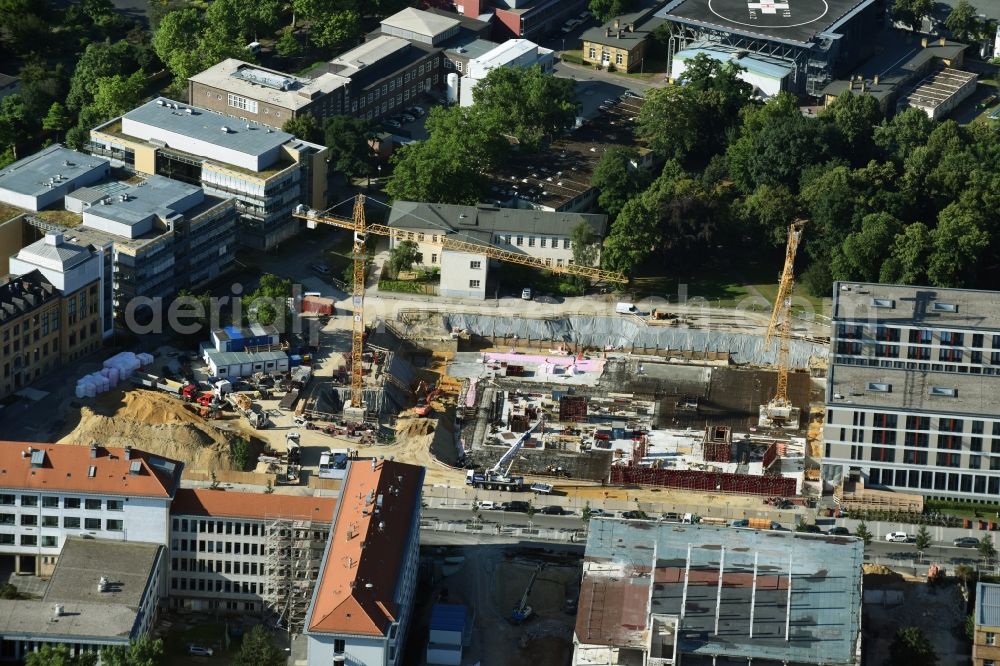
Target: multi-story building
986	633
41	328
386	74
50	492
268	172
621	42
247	551
721	596
361	607
162	235
911	398
522	19
265	96
83	277
43	179
541	234
101	594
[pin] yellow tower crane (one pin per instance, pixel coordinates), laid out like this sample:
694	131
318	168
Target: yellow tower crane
780	411
361	229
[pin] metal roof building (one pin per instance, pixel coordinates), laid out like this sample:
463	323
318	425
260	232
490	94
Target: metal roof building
40	180
706	595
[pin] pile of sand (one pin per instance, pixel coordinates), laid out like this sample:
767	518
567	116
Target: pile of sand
154	422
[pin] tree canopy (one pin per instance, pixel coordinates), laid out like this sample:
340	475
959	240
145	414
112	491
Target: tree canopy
258	649
910	647
525	103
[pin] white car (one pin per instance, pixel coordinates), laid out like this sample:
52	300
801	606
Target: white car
897	537
487	506
526	293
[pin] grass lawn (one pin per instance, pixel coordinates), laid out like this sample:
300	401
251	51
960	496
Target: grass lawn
205	634
648	69
770	292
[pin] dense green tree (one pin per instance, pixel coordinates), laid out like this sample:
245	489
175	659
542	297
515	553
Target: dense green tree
909	256
898	136
449	166
41	85
14	121
854	118
305	127
911	12
910	647
923	540
586	252
57	119
142	652
336	28
100	59
776	144
288	44
987	550
26	25
58	655
268	303
958	243
772	208
607	9
525	103
176	42
114	95
863	533
618	178
403	256
861	254
97	9
633	237
963	21
258	649
347	138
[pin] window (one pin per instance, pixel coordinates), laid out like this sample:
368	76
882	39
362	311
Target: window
473	284
50	502
8	500
991	638
29	500
29	520
619	59
541	242
592	53
474	265
6	539
92	523
50	541
116	505
71	503
565	243
29	540
114	525
531	241
50	521
434	258
71	523
339	645
243	103
8	518
92	504
520	241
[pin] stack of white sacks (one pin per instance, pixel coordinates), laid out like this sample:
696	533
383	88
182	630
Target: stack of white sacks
116	369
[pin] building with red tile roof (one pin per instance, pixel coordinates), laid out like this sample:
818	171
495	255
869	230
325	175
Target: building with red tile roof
361	606
240	551
49	492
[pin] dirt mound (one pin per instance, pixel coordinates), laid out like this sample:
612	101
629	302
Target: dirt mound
415	427
153	422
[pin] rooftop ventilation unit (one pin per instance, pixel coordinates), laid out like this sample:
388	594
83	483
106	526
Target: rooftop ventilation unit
225	129
102	584
159	102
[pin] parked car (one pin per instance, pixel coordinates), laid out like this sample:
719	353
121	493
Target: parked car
394	124
407	118
553	510
199	651
526	293
516	506
487	506
635	515
897	537
839	531
810	528
417	111
596	513
966	542
743	522
320	268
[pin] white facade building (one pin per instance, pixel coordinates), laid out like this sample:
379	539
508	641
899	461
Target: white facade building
512	53
360	610
43	179
544	235
52	492
226	549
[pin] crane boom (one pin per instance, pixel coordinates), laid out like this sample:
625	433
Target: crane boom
508	456
781	318
361	229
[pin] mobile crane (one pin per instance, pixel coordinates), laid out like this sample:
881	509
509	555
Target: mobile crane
494	478
357	224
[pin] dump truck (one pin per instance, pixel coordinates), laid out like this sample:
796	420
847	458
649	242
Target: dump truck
256	416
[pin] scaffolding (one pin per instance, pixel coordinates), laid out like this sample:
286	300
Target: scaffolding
294	554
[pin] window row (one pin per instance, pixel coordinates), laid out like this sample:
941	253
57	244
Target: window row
944	481
229	547
227	586
53	502
216	566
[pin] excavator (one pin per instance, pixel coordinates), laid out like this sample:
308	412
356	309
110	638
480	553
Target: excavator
522	611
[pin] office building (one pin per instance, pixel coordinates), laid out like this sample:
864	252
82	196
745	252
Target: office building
522	19
43	179
101	594
268	172
259	95
986	632
361	607
912	399
703	595
51	492
237	551
536	233
622	41
42	328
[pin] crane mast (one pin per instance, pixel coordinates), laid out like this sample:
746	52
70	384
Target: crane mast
779	411
359	226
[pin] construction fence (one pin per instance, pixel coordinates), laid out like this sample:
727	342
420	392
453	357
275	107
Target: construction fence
743	484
